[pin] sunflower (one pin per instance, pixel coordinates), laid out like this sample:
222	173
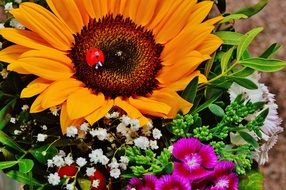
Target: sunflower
91	56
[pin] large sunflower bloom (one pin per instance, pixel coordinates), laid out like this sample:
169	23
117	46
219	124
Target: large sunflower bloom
151	50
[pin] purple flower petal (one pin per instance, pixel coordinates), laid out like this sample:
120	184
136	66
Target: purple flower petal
223	168
149	182
169	182
134	183
186	146
197	173
208	156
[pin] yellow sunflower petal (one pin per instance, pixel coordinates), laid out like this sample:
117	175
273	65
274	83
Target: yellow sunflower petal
46	68
85	100
146	105
145	11
131	111
132	8
12	53
43	22
17	67
35	87
59	91
24	38
54	55
100	112
66	122
200	12
68	13
114	6
182	83
177	20
81	8
214	20
88	5
36	106
210	45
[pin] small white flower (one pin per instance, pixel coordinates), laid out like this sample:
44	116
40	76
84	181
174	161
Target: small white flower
18	1
100	133
2	25
41	137
125	120
121	128
62	153
8	6
55	110
81	161
90	171
153	145
13	120
15	24
50	163
72	131
156	133
115	173
96	155
95	183
17	132
112	115
113	164
25	107
104	160
124	159
4	73
54	179
70	186
84	127
135	125
69	160
58	161
44	127
142	142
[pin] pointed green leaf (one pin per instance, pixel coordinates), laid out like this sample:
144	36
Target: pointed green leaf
232	17
6	140
25	165
206	103
190	92
246	40
217	110
226	59
23	178
249	139
244	82
269	52
264	65
245	72
7	164
252	10
4	113
228	37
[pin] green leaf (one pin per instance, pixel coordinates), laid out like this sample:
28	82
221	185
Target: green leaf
251	181
206	104
264	65
226	59
7	164
252	10
217	110
244	82
232	17
209	65
84	184
25	165
4	113
249	139
245	72
23	178
246	40
44	153
269	52
190	91
6	140
228	37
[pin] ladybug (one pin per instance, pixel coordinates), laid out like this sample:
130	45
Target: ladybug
95	57
68	171
99	179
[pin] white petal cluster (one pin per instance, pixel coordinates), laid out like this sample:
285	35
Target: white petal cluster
72	131
142	142
81	161
100	133
54	179
41	137
90	171
97	156
156	133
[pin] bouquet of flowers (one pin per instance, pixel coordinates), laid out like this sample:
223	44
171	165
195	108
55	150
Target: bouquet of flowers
135	95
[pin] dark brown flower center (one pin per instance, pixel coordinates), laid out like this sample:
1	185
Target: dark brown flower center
132	57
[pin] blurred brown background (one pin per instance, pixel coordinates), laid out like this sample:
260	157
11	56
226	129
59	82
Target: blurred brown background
273	19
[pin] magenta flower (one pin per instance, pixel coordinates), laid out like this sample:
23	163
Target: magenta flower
170	182
196	160
223	177
148	183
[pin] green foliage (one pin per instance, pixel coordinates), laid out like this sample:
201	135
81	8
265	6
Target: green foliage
253	180
217	110
264	65
25	165
233	17
253	10
8	141
42	154
182	124
146	161
190	91
24	178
